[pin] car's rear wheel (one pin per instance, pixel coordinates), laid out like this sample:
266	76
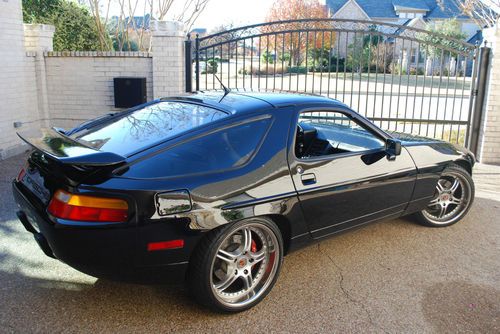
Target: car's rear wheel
236	266
452	199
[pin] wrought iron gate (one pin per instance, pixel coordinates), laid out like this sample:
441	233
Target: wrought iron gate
402	78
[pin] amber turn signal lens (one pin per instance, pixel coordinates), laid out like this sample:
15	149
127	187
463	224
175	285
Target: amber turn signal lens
69	206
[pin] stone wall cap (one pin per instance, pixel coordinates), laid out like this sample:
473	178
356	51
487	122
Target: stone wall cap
167	28
39	27
104	54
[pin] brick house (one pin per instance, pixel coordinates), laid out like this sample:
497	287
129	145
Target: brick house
402	11
411	13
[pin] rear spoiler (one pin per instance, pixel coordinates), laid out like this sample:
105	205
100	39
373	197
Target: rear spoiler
68	151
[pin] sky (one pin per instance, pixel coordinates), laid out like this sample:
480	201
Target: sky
239	12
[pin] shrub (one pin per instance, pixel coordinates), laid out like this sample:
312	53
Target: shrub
264	70
267	57
75	27
212	66
329	65
412	71
127	45
297	69
284	57
443	73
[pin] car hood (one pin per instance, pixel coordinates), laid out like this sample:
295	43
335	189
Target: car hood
439	145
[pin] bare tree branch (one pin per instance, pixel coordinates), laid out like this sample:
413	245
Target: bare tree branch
485	13
126	30
191	11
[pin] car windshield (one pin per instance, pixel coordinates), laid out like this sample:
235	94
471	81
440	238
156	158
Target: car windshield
147	126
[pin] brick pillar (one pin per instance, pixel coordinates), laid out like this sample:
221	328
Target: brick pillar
38	38
168	58
489	147
18	90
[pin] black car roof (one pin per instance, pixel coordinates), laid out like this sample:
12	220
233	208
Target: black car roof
237	101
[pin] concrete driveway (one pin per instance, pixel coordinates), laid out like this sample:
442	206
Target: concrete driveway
393	276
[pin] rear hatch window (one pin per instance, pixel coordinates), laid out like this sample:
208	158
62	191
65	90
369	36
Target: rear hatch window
142	128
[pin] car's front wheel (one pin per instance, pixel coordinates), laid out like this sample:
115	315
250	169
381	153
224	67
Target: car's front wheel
235	266
452	199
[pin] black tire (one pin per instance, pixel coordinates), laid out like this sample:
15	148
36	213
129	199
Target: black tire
202	275
426	217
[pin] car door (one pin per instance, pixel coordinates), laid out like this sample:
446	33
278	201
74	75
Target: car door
342	173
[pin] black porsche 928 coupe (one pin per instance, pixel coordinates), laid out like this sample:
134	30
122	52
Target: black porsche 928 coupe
214	188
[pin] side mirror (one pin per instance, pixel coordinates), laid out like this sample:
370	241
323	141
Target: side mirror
393	148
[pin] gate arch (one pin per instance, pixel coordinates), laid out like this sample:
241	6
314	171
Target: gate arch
401	77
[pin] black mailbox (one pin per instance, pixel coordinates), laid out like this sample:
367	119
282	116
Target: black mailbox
129	92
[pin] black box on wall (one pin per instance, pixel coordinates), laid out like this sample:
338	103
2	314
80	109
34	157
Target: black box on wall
129	91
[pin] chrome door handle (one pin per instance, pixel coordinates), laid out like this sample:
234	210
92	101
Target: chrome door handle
308	179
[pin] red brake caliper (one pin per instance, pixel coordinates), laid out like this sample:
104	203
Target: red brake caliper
253	249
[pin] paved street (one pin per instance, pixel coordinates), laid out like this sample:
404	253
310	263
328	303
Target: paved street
393	276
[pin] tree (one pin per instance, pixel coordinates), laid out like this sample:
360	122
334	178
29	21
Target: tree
293	43
226	49
128	26
120	44
367	53
75	28
267	57
435	44
485	13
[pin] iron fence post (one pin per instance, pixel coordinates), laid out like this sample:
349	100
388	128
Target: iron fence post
188	60
197	61
480	96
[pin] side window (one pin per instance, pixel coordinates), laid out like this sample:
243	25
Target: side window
321	133
220	150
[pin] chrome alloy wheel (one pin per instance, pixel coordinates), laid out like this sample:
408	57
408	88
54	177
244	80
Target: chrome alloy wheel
244	265
451	199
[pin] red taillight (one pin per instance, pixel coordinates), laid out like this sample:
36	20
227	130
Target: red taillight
21	174
171	244
87	208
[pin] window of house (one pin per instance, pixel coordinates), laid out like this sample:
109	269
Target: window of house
221	150
413	56
409	15
322	133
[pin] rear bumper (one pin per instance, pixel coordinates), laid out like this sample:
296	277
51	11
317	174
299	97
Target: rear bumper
101	252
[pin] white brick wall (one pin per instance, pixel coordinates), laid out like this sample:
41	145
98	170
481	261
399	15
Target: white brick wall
489	151
80	84
18	91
